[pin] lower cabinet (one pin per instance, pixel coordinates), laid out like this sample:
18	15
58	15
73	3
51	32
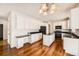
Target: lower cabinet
22	41
71	45
35	37
48	39
29	39
26	39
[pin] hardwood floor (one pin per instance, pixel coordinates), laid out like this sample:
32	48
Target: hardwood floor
35	49
56	49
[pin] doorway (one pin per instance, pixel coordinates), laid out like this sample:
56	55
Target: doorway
1	32
1	35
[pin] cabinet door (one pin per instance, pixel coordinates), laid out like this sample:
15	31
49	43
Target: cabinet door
34	24
37	25
75	18
26	39
20	22
27	22
20	42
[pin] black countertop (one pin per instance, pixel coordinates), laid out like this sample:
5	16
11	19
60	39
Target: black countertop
21	36
25	35
68	34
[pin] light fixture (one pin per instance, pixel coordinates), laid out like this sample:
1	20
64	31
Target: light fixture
46	8
52	8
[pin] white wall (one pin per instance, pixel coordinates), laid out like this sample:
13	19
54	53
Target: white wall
5	27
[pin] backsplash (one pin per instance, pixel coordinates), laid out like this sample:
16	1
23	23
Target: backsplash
77	31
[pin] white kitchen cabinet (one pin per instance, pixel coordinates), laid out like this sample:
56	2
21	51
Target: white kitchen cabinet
48	39
20	42
26	39
71	45
34	24
27	22
20	22
35	37
74	20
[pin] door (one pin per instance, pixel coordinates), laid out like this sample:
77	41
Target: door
1	31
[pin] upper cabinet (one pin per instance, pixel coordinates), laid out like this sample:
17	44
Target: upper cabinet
26	22
34	24
74	21
20	22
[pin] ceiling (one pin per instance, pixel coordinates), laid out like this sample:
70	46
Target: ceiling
32	9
